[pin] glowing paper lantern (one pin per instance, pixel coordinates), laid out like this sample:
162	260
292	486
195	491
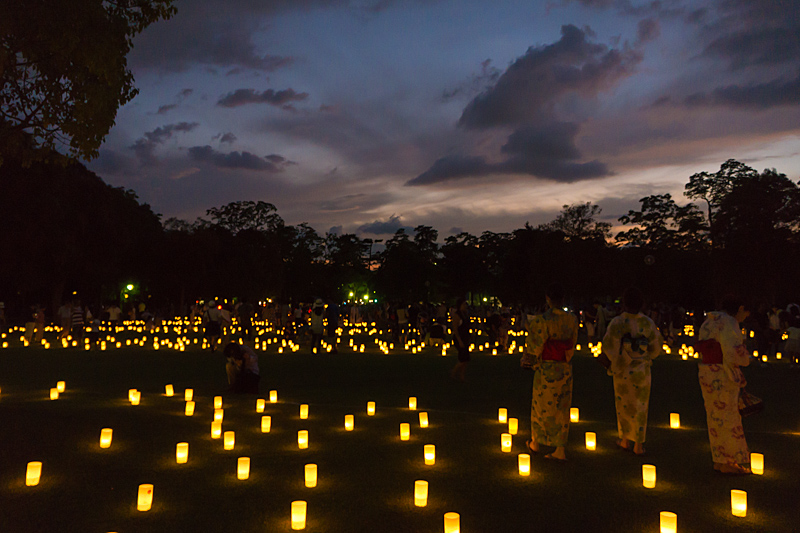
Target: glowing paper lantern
33	473
136	397
61	385
266	423
303	411
311	475
370	408
452	523
574	414
505	442
405	431
54	393
669	522
182	452
302	439
420	493
524	464
423	419
243	468
412	403
299	514
188	394
216	429
757	463
591	440
169	390
513	424
674	420
217	402
145	498
105	437
273	396
738	503
219	415
189	408
649	476
260	405
502	415
430	454
348	422
229	438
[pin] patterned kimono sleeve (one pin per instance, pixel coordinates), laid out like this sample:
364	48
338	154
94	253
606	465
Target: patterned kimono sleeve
732	342
655	341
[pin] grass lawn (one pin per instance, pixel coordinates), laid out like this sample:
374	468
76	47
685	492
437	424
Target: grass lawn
366	477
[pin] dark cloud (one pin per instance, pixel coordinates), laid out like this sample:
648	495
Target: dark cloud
236	160
227	138
185	93
647	30
528	90
145	147
384	227
280	98
544	151
162	110
760	96
336	230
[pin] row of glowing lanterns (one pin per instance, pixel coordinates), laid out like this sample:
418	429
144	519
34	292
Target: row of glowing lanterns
668	519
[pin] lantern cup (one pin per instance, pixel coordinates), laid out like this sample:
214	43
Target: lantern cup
266	423
513	424
145	498
217	402
452	523
137	396
348	422
505	442
299	514
243	468
311	475
524	463
131	393
669	522
61	386
738	503
216	429
423	419
420	493
370	408
649	476
189	408
105	437
302	439
219	414
303	411
260	405
182	453
229	438
757	463
169	390
412	403
574	414
273	396
33	473
591	440
188	394
405	431
430	454
54	393
674	420
502	414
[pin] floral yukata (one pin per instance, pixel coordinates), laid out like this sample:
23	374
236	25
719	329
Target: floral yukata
631	343
552	380
721	384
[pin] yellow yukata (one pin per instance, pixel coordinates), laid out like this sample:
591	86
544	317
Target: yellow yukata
552	380
631	343
721	384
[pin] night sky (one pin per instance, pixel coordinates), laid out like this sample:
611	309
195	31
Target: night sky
370	115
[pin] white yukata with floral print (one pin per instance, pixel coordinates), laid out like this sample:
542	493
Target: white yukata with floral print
721	384
552	380
631	343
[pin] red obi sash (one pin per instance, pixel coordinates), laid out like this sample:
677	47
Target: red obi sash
556	350
710	350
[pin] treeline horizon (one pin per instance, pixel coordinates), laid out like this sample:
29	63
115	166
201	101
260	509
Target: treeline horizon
65	232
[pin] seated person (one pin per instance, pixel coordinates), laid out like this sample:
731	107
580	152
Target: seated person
242	368
436	333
